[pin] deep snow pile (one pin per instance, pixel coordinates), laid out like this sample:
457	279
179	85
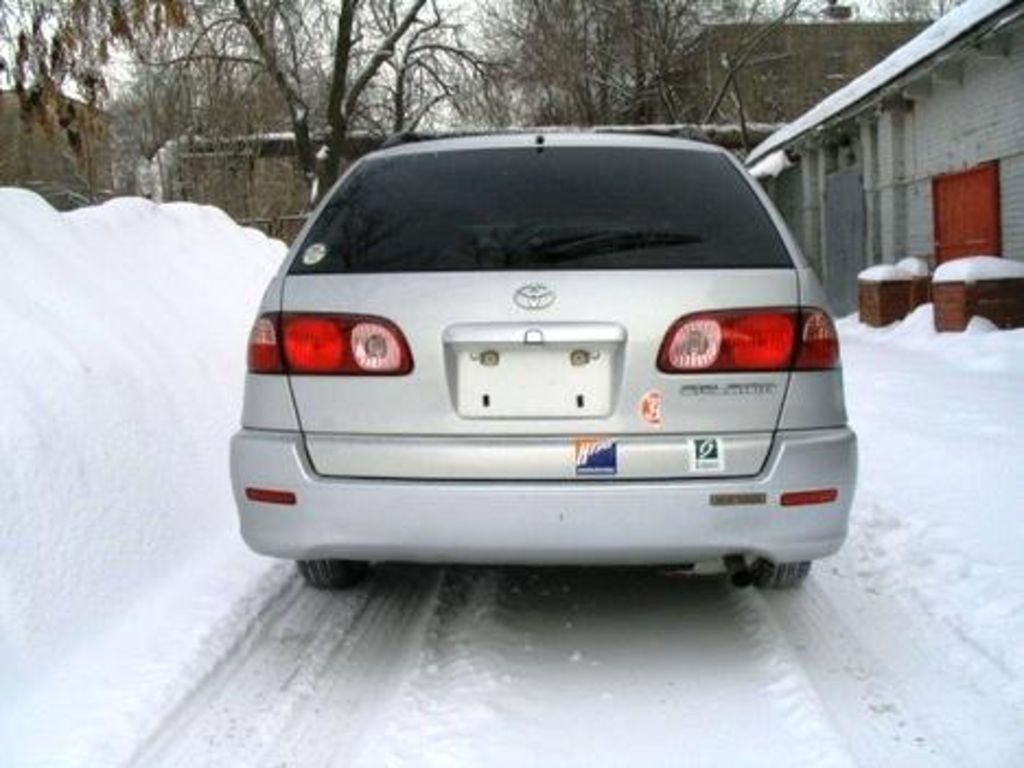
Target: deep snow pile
940	420
120	381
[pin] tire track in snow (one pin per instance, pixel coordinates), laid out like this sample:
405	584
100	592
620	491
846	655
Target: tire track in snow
848	684
305	650
890	676
459	653
566	667
790	691
576	667
357	684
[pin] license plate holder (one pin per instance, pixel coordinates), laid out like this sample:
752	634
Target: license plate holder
565	381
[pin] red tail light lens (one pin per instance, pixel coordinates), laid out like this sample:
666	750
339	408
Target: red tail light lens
750	340
819	342
328	344
314	344
746	340
264	351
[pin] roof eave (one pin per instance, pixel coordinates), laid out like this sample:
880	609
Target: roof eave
897	85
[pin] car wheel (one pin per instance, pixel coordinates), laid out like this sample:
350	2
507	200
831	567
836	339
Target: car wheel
768	575
333	574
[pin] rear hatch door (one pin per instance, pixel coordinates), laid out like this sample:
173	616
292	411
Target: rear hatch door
535	290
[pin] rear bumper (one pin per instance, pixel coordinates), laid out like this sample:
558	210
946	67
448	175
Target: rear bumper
617	522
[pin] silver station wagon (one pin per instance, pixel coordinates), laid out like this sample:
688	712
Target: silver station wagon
545	349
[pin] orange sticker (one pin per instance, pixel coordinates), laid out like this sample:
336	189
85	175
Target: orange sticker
650	408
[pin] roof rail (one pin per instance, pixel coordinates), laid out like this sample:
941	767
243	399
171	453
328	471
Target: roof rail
411	137
400	138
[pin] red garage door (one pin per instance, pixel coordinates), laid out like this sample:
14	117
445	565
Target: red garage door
966	208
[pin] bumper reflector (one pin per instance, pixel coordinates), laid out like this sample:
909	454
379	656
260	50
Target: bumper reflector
270	496
801	498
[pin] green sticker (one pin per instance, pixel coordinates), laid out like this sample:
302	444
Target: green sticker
706	454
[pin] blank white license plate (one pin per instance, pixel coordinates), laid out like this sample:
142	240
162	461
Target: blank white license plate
535	381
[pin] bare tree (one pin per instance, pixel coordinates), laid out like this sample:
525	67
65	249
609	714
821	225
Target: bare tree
621	61
566	59
759	30
430	68
911	10
404	49
54	55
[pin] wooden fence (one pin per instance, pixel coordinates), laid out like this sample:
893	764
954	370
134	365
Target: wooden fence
282	227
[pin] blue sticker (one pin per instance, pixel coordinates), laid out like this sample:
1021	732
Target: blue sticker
596	457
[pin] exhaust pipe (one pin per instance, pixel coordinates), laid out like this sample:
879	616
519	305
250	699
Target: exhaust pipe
739	574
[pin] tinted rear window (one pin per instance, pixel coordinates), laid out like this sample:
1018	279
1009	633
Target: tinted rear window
560	208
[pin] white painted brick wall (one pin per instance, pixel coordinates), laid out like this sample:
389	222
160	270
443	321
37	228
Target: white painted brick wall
1011	189
959	126
962	125
919	222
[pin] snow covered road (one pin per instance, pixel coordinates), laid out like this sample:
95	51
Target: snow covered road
900	651
490	667
576	667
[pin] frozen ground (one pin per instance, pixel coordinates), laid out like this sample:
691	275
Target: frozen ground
902	650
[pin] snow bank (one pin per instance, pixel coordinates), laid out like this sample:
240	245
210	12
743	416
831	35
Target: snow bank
936	529
982	347
120	383
975	268
883	273
914	266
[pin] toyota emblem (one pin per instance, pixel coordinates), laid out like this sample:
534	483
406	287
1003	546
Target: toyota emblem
534	296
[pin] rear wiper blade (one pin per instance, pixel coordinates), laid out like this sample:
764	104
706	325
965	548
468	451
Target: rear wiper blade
581	245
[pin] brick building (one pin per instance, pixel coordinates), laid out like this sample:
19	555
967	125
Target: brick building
793	67
40	158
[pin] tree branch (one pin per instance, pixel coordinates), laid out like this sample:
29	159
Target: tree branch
384	51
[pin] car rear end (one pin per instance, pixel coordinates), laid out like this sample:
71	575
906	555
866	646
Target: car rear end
557	349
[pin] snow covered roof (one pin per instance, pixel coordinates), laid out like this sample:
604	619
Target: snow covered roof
977	268
771	165
884	273
951	27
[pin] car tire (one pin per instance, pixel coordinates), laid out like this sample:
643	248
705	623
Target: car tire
333	574
768	575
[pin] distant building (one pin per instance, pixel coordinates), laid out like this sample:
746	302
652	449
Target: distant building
793	67
42	159
923	155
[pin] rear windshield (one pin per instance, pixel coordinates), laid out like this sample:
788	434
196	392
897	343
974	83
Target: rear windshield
557	208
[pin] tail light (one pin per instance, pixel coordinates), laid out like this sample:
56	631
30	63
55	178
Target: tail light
819	342
750	340
264	349
314	344
328	344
